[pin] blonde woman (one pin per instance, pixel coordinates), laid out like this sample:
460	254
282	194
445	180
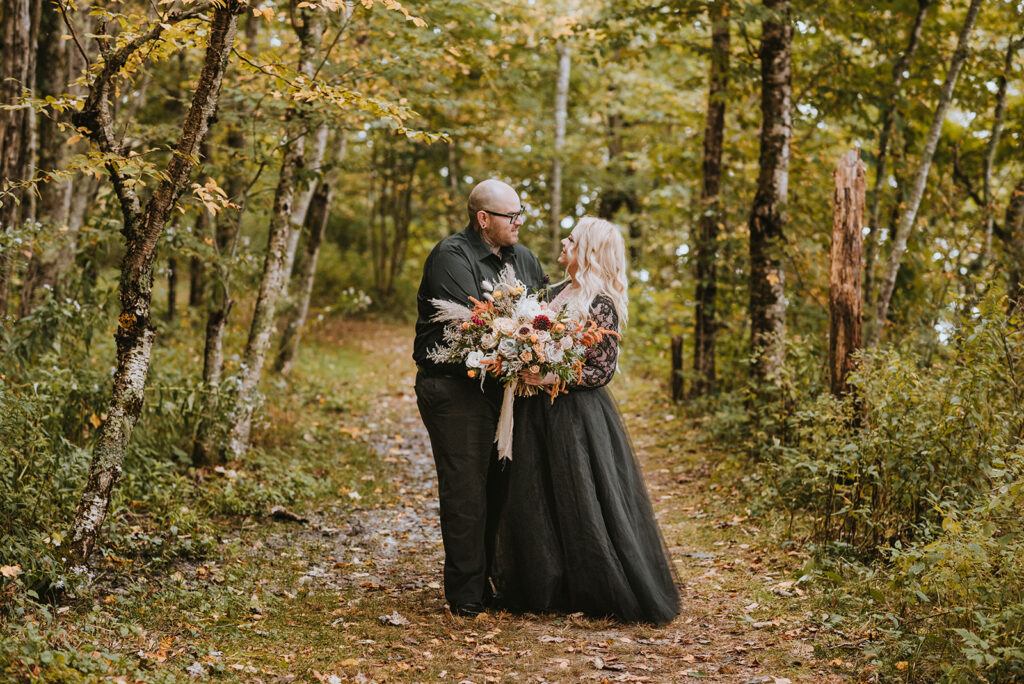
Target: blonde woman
578	532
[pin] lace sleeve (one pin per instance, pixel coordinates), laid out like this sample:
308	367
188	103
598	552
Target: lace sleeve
601	358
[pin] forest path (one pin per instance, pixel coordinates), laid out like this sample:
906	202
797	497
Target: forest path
378	567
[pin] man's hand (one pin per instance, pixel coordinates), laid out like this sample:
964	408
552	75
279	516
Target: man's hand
536	380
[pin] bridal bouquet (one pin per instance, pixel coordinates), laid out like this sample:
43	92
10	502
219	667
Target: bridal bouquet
513	331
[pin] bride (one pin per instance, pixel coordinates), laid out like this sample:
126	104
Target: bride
578	532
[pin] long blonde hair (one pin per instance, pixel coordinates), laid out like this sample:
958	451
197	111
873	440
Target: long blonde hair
600	266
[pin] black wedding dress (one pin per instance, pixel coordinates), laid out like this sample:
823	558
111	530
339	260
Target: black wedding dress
577	531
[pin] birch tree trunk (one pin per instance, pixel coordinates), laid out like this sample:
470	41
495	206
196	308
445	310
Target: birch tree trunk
711	217
561	105
142	230
310	31
768	217
900	68
316	223
909	215
314	161
844	296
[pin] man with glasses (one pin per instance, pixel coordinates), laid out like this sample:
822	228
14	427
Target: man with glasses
460	417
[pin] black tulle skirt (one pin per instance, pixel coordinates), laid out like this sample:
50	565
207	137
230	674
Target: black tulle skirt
577	531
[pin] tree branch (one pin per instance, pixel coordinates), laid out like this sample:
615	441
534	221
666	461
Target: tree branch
98	119
74	33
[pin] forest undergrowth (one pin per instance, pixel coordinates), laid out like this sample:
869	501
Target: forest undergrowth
318	558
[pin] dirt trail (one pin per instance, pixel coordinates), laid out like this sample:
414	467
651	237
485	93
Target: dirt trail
743	618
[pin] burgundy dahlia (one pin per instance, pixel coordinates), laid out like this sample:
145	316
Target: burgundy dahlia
542	323
477	321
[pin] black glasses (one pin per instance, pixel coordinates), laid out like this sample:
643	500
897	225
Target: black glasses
512	218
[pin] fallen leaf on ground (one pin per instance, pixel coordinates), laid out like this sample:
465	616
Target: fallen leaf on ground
393	619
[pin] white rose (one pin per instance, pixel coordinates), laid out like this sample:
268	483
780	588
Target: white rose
506	326
554	353
474	358
507	347
566	342
528	309
542	335
489	341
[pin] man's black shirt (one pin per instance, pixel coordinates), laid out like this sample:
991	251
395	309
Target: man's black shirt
454	271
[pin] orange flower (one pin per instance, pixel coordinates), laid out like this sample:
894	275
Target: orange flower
471	373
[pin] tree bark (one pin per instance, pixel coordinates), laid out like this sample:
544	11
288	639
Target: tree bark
844	296
711	216
316	223
303	196
172	287
909	215
142	230
676	378
1013	230
561	106
768	217
882	156
15	75
196	266
310	31
271	284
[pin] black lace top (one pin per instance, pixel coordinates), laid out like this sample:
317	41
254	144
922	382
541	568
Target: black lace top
601	358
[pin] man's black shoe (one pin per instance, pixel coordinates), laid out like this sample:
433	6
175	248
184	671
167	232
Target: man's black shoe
469	610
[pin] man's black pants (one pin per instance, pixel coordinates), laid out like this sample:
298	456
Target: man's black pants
461	421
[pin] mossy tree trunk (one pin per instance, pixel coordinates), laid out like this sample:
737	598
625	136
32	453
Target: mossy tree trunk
142	229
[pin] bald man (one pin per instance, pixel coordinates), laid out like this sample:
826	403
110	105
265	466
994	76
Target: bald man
460	417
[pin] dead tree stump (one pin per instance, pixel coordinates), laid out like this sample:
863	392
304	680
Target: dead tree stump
844	283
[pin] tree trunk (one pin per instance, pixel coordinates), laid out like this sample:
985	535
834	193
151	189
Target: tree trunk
62	203
209	430
1013	229
844	296
172	287
316	223
882	156
909	215
620	194
142	231
999	117
711	217
271	284
196	266
768	217
15	75
314	162
561	105
310	31
676	378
